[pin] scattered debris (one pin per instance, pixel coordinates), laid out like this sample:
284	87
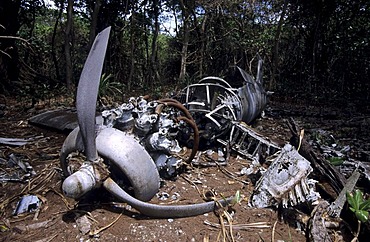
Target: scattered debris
249	144
24	228
141	141
83	224
15	170
27	204
163	196
350	165
25	166
323	169
286	181
15	141
317	228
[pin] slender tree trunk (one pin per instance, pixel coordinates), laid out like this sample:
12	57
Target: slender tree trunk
94	22
184	55
154	75
275	52
9	69
147	69
132	50
185	40
53	54
31	25
202	46
68	44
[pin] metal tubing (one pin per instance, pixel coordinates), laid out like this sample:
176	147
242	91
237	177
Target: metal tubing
188	119
163	211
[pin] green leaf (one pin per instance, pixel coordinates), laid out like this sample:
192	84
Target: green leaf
358	198
336	161
3	228
362	215
351	201
237	197
365	205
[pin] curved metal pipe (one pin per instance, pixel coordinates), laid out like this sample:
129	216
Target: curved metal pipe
196	137
159	108
188	119
176	104
169	100
163	211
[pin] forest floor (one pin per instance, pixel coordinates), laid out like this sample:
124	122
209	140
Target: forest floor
62	219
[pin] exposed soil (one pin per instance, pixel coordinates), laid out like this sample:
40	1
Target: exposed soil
58	217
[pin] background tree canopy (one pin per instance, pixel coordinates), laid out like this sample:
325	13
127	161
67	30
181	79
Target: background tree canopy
317	49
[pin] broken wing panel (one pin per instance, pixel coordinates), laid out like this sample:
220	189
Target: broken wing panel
285	181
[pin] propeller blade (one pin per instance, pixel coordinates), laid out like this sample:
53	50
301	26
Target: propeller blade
87	93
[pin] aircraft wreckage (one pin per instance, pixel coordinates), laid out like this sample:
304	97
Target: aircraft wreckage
141	141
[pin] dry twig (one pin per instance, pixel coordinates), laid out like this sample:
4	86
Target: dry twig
97	231
257	225
273	232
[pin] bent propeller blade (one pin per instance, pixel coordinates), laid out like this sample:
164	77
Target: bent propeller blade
87	92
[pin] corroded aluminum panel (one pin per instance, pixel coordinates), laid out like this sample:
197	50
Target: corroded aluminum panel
284	181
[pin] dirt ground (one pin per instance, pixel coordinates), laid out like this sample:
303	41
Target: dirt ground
61	219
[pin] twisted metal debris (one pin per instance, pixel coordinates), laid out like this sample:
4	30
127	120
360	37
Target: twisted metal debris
143	140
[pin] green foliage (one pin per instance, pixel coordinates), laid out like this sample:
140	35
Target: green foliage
359	206
237	198
321	48
336	161
108	87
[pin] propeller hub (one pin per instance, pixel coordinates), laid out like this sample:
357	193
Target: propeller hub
81	182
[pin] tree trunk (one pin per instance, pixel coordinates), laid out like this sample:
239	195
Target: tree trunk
68	44
132	50
154	75
275	51
53	54
146	69
203	37
185	40
9	26
31	24
94	22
